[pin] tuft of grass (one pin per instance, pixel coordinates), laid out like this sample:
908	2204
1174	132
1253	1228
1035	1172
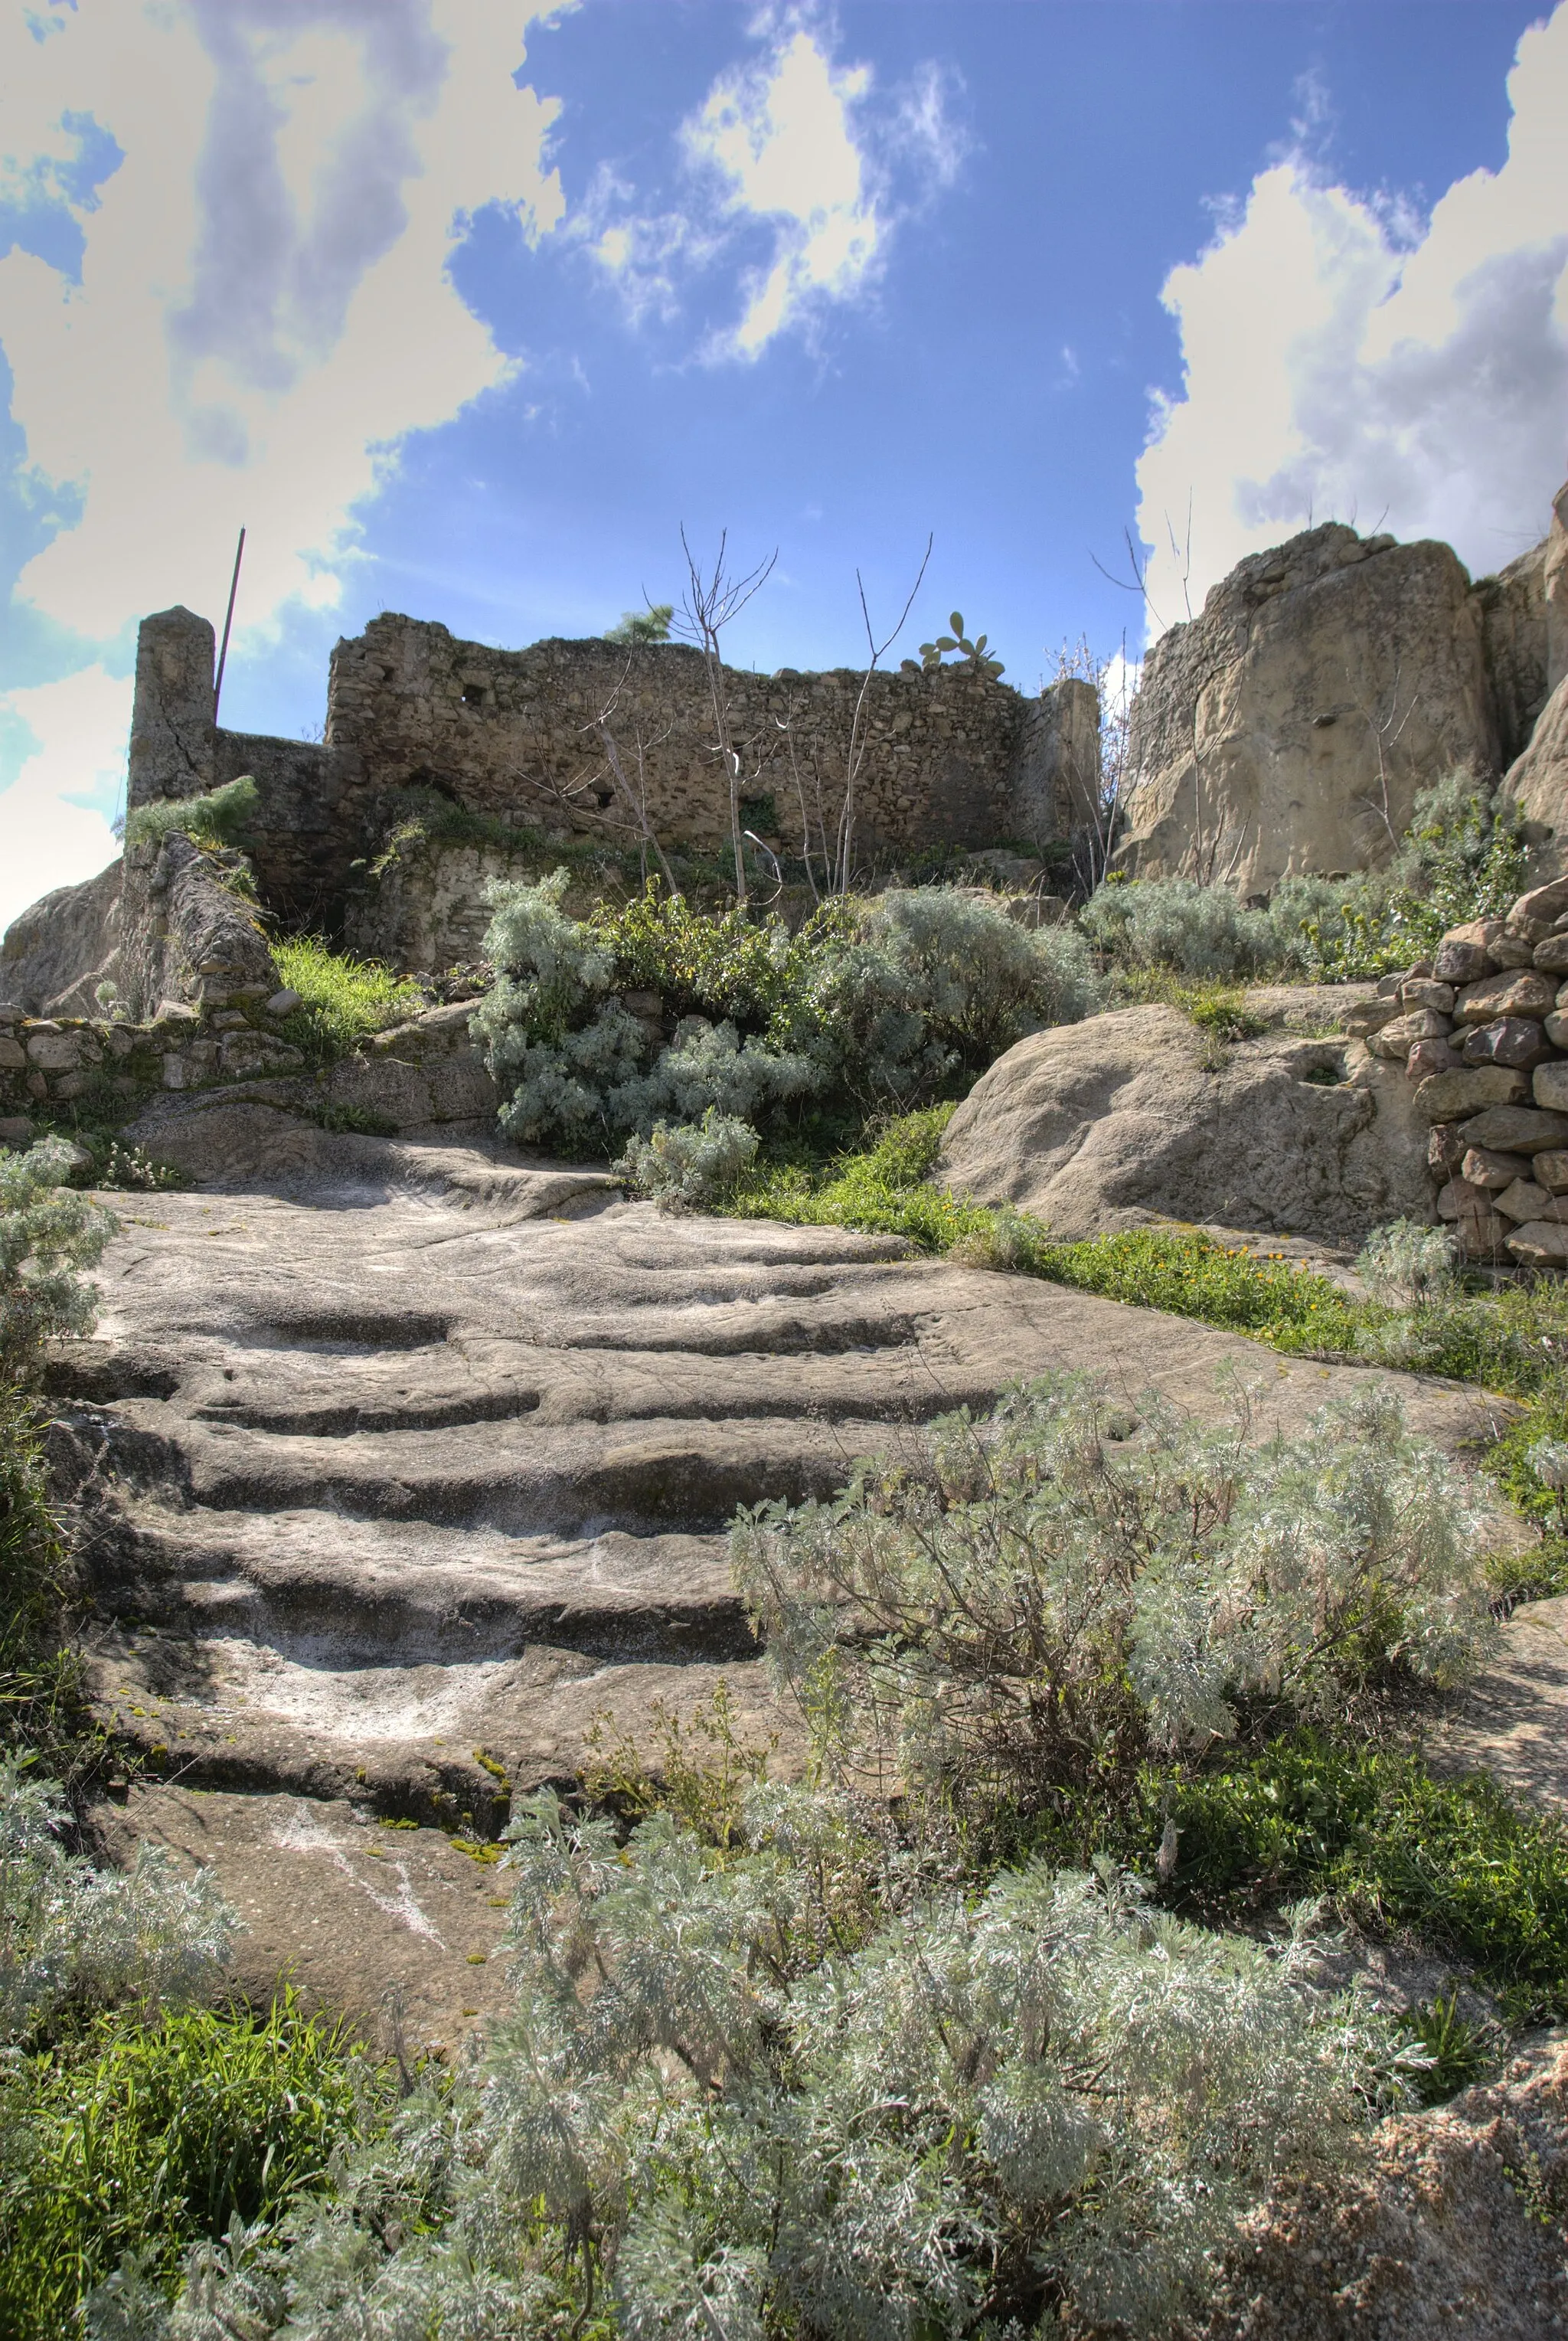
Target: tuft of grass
342	1000
221	818
1457	2047
885	1190
146	2137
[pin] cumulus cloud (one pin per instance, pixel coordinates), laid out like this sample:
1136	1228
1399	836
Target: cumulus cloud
789	147
259	308
1345	359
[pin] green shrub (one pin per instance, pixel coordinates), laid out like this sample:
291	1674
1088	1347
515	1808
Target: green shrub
40	1675
1050	1591
871	1003
342	1000
1293	1308
47	1234
692	1166
143	2138
222	817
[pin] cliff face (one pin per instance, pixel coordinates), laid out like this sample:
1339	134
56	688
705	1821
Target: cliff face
1288	728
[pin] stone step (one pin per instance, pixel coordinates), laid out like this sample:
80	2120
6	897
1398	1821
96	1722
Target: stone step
330	1590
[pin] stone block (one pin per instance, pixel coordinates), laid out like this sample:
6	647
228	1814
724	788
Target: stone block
15	1129
1543	1243
1512	951
1462	954
1458	1200
1516	1129
1516	1040
1511	992
1448	1097
1556	1028
1483	1236
1550	1083
173	1071
1525	1200
1445	1147
1553	954
1426	991
1433	1057
1399	1036
54	1051
1372	1015
1550	1170
1548	903
283	1003
1482	1167
13	1056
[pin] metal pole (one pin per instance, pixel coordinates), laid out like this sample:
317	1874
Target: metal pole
228	621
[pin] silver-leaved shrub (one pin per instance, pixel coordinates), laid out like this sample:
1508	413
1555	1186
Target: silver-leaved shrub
692	1165
873	1004
72	1932
993	1609
48	1234
957	2122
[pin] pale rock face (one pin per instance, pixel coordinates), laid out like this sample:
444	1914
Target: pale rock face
56	954
1120	1121
1538	780
1288	728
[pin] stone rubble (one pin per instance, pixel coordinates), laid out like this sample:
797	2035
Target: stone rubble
1481	1029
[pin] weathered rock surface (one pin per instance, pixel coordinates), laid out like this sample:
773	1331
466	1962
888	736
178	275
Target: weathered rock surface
1288	727
1538	783
182	928
1450	2223
54	955
1120	1120
390	1453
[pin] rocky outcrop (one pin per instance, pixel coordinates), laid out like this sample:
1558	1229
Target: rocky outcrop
55	956
1132	1118
1538	780
186	930
1288	727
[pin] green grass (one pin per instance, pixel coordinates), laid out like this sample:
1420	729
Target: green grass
1458	1864
42	1700
342	1000
147	2137
883	1190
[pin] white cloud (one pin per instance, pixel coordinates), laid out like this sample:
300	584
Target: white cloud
47	837
265	308
780	137
1342	360
787	145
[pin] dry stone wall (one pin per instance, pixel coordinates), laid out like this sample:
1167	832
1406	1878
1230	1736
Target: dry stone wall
1482	1030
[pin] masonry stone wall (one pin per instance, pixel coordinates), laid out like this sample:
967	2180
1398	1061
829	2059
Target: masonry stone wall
946	759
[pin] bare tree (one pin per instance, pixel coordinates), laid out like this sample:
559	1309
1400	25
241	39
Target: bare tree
713	599
837	851
634	799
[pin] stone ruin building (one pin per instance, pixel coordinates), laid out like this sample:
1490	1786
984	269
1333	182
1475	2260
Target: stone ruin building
417	719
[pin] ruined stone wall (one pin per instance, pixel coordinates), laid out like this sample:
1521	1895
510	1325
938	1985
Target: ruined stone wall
510	733
946	759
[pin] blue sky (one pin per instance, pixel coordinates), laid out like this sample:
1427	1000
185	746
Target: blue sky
464	309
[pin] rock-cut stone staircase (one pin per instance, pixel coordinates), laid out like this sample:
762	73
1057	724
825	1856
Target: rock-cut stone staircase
401	1464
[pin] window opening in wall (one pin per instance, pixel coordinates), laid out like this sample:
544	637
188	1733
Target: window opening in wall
474	694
